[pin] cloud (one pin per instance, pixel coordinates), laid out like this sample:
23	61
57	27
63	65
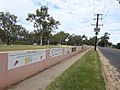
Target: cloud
75	16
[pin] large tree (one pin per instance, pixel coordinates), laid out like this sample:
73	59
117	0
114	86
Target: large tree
43	23
84	39
2	36
91	41
104	40
8	24
22	35
75	40
118	45
106	37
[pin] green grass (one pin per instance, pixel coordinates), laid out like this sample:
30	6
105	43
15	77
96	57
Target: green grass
85	74
26	47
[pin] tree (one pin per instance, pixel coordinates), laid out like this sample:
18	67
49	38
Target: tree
118	45
91	41
101	41
59	38
104	40
7	24
75	40
51	25
2	36
43	23
106	37
84	39
22	35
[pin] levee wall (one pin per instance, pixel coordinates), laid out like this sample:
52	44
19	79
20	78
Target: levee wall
19	65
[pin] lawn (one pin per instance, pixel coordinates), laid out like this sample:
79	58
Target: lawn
26	47
85	74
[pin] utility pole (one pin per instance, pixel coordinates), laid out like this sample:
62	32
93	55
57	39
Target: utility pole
118	1
97	29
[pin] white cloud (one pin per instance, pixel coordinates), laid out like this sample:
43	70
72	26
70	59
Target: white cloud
75	16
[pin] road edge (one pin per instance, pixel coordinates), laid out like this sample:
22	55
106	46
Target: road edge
110	73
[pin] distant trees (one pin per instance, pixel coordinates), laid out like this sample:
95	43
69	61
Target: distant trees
106	37
91	41
11	33
66	39
2	36
75	40
84	39
43	23
23	36
7	25
104	40
118	45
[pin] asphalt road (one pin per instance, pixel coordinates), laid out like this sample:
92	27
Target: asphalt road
112	55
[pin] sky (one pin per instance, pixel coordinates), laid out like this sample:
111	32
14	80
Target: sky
75	16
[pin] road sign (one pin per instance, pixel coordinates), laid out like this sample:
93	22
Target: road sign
96	29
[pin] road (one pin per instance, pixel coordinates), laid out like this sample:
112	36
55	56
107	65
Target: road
113	55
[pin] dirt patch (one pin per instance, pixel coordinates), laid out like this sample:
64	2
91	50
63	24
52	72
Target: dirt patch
111	75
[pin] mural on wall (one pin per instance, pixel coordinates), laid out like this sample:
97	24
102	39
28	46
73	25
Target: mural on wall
67	50
56	52
78	48
21	58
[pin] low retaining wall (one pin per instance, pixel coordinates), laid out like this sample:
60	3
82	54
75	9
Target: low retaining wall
19	65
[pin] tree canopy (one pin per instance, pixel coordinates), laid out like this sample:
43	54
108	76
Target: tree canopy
8	25
104	40
43	22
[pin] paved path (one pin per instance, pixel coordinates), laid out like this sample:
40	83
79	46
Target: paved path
113	55
41	80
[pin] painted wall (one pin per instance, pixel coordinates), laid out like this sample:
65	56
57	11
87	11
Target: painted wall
21	58
19	65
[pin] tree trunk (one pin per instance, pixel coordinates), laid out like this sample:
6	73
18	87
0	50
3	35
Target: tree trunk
41	40
1	41
7	40
48	41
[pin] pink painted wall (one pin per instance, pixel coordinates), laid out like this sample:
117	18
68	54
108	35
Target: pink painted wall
9	77
3	70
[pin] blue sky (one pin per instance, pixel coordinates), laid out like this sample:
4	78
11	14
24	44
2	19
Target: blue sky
75	16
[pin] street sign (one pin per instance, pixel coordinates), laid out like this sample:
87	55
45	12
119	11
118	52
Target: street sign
96	29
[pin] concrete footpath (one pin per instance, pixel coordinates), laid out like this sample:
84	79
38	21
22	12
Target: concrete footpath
41	80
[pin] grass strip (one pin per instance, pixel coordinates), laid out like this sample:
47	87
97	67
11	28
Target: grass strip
27	47
85	74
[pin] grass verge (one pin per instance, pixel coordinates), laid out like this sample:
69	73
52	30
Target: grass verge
85	74
27	47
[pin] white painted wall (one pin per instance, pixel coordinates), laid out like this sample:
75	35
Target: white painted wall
56	52
21	58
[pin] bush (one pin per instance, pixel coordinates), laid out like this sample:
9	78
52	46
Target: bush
118	45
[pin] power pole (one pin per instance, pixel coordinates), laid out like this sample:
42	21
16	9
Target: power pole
118	1
97	29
